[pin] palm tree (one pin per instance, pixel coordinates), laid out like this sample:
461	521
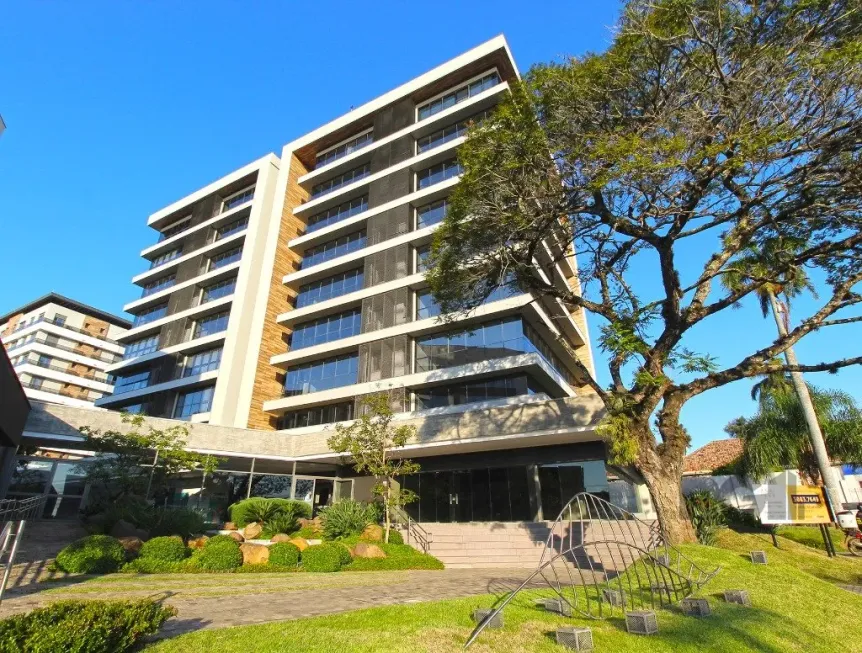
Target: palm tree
775	296
777	436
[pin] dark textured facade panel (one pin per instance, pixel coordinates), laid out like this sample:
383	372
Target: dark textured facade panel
394	117
388	265
391	187
389	224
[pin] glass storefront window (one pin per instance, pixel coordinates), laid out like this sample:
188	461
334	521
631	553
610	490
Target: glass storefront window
271	486
68	479
31	476
304	489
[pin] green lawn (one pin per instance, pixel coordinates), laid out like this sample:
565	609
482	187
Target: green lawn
796	608
810	536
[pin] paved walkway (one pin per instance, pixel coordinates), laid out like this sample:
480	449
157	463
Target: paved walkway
221	600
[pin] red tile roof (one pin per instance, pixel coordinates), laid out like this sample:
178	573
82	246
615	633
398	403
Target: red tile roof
713	455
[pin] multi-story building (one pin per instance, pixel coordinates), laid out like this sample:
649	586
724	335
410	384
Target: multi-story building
280	295
61	349
185	353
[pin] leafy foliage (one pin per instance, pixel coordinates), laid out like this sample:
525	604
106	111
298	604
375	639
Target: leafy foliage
370	441
219	556
94	554
708	132
169	549
284	554
707	514
324	557
346	518
83	626
267	511
777	436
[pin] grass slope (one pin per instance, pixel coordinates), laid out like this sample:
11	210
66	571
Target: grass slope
796	608
810	536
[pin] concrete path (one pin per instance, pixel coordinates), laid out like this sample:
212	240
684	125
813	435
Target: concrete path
222	600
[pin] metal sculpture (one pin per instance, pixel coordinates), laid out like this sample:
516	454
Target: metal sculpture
599	558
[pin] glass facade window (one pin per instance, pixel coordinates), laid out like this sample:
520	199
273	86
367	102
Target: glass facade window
431	213
560	482
333	249
218	290
238	200
488	341
134	409
317	415
423	255
426	306
225	258
159	284
140	347
194	402
337	213
354	144
341	180
334	286
330	373
475	391
176	228
448	133
327	329
151	314
168	256
204	361
231	228
129	382
211	324
458	95
438	173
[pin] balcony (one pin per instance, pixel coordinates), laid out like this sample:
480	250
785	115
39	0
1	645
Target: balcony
101	377
62	323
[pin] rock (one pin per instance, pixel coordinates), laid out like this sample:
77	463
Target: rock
131	545
198	542
365	550
314	524
372	533
254	554
252	530
281	537
299	543
236	535
124	529
230	526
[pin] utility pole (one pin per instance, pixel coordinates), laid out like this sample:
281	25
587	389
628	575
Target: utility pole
833	490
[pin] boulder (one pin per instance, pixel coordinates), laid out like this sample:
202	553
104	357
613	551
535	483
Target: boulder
131	545
198	542
230	526
236	535
254	554
252	531
373	533
281	537
315	524
124	529
299	543
365	550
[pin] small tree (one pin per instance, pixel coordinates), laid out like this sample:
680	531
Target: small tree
370	441
777	436
140	460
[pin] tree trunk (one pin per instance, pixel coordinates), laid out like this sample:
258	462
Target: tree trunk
386	508
830	482
665	487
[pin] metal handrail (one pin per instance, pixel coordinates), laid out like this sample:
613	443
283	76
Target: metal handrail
414	530
104	356
15	512
63	325
56	368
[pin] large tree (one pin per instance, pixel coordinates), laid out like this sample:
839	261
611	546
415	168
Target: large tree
707	130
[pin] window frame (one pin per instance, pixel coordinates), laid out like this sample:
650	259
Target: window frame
251	187
318	165
454	90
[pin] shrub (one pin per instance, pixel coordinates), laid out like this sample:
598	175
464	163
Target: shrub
308	533
322	558
395	537
219	556
744	518
346	518
284	554
94	554
707	515
158	566
344	553
398	556
263	511
279	524
215	539
169	549
175	521
83	626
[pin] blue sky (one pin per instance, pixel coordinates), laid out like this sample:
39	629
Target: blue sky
116	109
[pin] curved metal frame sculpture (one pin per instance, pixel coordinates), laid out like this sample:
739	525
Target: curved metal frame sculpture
621	562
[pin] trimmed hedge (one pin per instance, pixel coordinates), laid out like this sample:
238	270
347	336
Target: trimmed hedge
284	554
395	537
322	558
94	554
344	553
215	539
168	549
83	626
219	556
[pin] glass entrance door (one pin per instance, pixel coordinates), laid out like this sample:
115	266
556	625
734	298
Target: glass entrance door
323	489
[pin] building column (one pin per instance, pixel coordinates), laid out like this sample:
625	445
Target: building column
535	490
